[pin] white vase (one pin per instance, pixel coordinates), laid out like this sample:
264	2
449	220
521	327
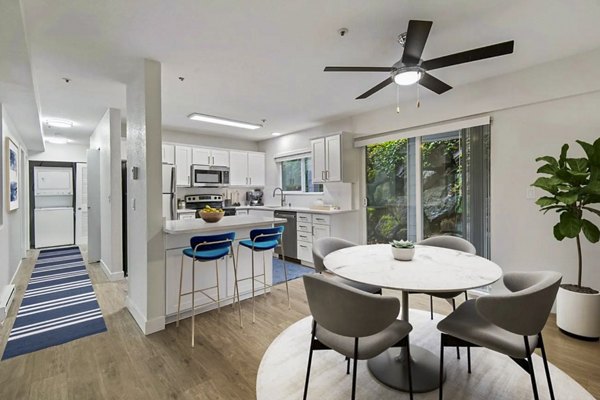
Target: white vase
403	254
578	313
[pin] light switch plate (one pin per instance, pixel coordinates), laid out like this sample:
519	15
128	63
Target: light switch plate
530	194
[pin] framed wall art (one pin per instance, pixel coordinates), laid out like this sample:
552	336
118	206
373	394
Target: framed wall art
12	174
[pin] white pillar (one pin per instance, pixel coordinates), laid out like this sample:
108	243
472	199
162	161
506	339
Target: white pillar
145	246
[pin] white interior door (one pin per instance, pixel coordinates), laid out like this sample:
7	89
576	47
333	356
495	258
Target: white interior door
93	202
81	204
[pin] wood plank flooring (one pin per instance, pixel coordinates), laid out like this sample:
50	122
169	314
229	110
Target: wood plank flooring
124	364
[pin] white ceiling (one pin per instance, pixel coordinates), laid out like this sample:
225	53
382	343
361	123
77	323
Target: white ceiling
249	60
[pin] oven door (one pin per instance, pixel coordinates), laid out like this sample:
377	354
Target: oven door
206	176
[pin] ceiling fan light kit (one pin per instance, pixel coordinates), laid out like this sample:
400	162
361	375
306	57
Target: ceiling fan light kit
412	69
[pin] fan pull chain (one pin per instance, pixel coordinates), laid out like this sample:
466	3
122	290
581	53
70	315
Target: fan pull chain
418	96
397	99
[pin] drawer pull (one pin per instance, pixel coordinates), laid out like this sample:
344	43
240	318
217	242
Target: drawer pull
303	246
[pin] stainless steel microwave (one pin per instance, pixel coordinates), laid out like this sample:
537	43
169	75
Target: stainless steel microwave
209	176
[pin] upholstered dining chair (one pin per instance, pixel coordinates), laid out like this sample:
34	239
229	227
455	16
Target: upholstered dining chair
322	247
354	323
510	324
453	243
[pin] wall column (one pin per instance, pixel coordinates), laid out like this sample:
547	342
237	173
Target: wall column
145	252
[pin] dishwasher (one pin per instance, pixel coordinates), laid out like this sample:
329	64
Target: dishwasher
289	233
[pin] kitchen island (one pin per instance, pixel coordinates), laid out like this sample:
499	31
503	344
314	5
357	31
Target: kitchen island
177	236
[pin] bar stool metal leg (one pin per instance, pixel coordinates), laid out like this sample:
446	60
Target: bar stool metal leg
193	295
264	275
236	288
218	293
287	288
253	300
180	287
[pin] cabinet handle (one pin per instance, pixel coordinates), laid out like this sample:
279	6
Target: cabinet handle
322	175
303	246
213	160
250	180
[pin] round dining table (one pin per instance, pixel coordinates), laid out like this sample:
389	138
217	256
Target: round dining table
432	269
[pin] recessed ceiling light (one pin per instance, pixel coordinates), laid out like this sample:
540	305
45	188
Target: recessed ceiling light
223	121
59	123
57	139
276	134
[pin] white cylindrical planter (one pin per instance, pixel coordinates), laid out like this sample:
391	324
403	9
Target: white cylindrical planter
403	254
578	313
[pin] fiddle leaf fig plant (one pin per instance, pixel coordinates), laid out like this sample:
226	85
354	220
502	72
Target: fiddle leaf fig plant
573	185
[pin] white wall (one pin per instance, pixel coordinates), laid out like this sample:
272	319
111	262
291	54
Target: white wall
534	112
14	223
146	263
70	152
208	140
107	138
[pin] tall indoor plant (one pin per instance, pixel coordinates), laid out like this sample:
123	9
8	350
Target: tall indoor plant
573	186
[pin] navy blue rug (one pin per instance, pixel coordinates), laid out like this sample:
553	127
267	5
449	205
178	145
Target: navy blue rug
293	271
59	304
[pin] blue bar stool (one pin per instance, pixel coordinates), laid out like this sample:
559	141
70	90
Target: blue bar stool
262	240
203	249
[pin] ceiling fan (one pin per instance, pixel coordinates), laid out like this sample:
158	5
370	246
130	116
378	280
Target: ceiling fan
411	69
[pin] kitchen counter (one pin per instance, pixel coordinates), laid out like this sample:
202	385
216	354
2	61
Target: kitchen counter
228	223
297	209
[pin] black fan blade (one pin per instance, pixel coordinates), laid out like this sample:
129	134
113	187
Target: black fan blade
375	88
434	84
416	37
481	53
357	69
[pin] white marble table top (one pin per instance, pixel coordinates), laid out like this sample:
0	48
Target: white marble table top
433	269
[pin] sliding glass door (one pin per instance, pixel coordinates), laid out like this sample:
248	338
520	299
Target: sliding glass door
431	185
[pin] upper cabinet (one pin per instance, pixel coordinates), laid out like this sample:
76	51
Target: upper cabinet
168	153
213	157
246	168
183	164
334	159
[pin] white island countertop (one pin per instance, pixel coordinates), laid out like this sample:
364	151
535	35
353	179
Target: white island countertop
296	209
228	223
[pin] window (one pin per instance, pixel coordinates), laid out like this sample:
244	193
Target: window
296	176
430	185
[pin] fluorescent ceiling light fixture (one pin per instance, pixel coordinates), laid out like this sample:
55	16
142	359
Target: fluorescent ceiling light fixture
223	121
408	76
276	133
59	123
57	140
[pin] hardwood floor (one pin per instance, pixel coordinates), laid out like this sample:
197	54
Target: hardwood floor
124	364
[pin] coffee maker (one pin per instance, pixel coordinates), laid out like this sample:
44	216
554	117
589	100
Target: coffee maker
254	197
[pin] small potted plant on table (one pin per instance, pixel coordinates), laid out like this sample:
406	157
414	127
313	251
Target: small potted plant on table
403	250
573	185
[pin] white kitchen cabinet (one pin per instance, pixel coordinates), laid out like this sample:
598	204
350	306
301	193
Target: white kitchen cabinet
183	163
256	169
261	213
213	157
318	160
333	157
320	231
246	168
305	252
330	156
241	212
168	153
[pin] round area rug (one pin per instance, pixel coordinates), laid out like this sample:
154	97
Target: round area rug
282	371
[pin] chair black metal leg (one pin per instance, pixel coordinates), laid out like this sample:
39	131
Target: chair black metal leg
441	367
431	307
312	341
354	368
408	359
466	296
347	365
546	366
531	371
457	348
469	358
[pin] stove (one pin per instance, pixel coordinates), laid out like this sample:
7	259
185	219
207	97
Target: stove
199	201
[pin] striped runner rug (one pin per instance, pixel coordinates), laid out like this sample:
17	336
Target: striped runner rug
59	304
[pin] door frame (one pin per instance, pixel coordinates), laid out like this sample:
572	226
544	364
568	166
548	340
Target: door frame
32	165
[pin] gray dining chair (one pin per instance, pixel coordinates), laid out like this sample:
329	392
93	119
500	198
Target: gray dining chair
510	324
354	323
322	247
453	243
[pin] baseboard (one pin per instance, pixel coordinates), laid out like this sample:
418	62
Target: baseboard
12	280
6	297
147	326
112	276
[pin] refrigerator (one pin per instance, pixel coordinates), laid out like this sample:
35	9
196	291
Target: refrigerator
169	201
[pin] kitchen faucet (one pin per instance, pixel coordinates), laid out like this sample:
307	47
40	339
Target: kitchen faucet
282	196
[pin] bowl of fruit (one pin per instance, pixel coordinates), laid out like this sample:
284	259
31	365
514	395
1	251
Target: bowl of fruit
210	214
